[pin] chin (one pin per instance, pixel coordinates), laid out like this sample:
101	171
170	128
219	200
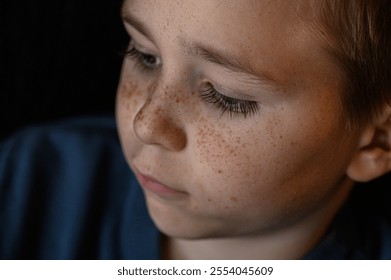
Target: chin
178	222
177	226
177	229
191	228
180	233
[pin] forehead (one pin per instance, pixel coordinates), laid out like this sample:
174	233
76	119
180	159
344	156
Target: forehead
267	34
218	19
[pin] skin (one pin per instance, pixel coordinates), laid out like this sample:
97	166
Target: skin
262	186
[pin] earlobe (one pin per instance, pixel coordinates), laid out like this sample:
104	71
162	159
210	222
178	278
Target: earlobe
373	159
369	164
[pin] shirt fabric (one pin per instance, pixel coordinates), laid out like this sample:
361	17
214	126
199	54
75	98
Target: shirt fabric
66	192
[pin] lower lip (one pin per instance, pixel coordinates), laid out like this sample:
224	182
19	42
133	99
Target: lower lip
155	187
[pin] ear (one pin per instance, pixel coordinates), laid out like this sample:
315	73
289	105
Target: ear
373	159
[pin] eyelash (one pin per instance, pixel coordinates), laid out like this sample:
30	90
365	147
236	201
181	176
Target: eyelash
229	105
145	62
209	94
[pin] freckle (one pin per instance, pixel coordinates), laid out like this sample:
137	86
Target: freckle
293	144
210	200
128	88
234	198
219	171
140	116
159	110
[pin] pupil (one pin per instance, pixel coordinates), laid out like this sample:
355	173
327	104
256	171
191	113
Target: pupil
149	59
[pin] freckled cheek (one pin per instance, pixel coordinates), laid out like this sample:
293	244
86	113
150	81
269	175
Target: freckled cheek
239	164
238	158
230	178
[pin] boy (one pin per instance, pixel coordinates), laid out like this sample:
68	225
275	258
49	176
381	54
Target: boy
246	123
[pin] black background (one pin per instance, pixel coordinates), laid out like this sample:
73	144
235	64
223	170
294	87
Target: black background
58	59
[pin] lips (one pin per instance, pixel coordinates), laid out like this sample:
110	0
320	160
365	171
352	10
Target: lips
155	186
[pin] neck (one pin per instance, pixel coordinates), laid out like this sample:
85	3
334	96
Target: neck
284	245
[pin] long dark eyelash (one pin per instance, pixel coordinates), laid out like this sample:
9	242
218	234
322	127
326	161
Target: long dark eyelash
140	58
229	105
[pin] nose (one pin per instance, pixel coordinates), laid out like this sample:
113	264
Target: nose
158	122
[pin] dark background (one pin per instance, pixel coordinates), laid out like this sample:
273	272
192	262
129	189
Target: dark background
58	59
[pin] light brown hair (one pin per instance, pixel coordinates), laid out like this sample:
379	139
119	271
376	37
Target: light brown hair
357	34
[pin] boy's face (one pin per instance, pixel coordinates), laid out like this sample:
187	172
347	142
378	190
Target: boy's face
244	151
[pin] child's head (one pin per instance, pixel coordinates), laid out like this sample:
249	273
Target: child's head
241	109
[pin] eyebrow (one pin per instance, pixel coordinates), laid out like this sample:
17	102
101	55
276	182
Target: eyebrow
223	58
135	22
227	60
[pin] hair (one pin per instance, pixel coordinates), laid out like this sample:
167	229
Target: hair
357	35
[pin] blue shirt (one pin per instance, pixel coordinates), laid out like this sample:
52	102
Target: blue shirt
66	192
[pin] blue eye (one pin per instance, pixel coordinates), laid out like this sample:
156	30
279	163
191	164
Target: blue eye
226	104
143	60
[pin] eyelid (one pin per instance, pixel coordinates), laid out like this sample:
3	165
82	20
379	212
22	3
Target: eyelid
235	94
225	104
148	50
143	45
141	58
229	61
241	91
